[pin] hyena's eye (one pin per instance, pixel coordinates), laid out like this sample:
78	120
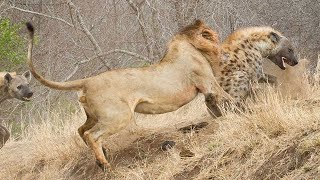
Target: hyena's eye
19	87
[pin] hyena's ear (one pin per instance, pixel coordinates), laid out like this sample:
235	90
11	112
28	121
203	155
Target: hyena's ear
7	78
27	74
275	38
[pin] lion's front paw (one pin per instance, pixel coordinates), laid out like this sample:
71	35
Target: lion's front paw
212	106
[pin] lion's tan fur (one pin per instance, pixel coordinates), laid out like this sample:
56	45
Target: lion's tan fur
111	98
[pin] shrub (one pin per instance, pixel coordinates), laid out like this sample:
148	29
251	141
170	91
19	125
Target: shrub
12	51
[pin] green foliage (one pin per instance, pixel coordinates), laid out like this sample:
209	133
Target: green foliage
12	51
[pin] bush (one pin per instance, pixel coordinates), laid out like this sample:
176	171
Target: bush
12	44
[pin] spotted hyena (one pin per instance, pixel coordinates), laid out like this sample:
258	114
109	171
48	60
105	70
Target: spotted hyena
15	86
241	62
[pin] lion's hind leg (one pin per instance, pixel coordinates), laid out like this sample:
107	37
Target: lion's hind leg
90	122
111	120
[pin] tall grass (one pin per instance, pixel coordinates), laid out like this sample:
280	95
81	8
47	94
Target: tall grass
276	137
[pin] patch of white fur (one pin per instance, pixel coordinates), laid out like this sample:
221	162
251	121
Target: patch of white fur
262	45
245	33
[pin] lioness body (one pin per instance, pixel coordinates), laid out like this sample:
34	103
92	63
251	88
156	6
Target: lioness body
111	98
164	80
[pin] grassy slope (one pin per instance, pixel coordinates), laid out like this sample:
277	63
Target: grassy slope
278	139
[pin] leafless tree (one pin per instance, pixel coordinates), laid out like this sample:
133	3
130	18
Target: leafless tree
78	38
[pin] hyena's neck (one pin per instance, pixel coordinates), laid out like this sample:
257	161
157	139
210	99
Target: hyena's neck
264	48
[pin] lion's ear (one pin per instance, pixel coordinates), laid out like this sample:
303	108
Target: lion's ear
199	22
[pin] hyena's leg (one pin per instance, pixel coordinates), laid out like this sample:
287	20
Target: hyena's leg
238	86
269	79
4	135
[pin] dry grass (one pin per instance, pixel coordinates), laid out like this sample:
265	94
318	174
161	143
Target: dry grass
277	138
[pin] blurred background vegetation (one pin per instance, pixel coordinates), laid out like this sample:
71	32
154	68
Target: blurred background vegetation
12	43
77	39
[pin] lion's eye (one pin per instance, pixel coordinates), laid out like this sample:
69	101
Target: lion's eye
19	87
206	35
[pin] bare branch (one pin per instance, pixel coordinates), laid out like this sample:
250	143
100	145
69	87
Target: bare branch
133	6
84	28
2	4
48	3
98	50
178	12
191	9
105	54
72	73
136	9
44	15
117	51
72	19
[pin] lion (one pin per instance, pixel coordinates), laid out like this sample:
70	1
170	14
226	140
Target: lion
111	98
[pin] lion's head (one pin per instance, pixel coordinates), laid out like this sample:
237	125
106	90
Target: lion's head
205	40
202	37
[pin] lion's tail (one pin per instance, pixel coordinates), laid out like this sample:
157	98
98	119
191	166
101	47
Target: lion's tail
70	85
